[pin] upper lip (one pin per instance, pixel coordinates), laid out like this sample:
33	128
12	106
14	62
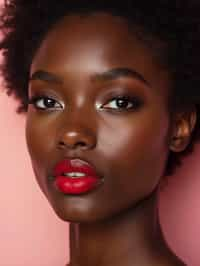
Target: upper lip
68	165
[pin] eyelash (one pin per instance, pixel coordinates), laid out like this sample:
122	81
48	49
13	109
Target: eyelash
34	100
135	101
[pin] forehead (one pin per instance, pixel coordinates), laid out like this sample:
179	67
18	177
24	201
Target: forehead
95	43
96	32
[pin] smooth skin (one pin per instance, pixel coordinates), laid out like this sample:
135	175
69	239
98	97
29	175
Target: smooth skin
82	65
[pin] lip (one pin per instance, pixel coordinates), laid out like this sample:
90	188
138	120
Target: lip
78	185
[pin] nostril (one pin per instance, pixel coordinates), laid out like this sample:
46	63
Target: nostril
80	143
73	145
61	143
75	140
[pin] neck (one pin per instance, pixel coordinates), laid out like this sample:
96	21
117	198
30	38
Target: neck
131	238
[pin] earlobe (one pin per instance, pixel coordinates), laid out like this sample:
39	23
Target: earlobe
184	124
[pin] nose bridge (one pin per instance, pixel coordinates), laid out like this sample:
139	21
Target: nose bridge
78	127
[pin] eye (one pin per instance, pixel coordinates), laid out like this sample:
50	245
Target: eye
121	103
44	103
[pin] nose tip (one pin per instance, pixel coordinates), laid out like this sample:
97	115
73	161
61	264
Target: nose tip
77	140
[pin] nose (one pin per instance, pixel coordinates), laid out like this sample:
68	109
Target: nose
77	137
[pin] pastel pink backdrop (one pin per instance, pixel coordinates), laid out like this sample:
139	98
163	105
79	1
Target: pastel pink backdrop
31	234
180	210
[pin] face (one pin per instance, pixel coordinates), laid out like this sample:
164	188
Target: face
100	96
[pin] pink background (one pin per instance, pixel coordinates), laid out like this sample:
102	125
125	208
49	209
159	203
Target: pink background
31	234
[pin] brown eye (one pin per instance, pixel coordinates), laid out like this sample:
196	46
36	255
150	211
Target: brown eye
123	103
43	102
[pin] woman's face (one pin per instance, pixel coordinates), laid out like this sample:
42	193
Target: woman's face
83	65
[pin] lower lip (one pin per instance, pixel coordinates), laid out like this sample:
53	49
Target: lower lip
76	186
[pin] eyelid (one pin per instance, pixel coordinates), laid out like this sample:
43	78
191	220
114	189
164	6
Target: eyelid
33	99
135	100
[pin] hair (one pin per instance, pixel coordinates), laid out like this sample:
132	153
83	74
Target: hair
175	24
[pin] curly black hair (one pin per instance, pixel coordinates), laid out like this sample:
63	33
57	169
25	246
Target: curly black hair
174	23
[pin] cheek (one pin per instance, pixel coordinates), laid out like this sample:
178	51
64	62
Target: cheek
40	135
138	150
39	141
134	135
34	138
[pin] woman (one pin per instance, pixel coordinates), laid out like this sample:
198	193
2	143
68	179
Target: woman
110	91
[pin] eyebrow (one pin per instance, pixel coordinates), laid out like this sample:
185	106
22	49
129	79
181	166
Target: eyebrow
120	72
109	75
46	76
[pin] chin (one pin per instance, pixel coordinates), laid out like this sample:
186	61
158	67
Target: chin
78	217
78	213
82	213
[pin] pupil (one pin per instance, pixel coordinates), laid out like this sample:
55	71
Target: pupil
122	103
49	102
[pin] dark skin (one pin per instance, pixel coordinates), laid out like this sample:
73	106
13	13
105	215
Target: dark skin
82	65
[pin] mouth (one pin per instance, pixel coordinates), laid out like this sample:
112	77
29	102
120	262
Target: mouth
75	177
74	174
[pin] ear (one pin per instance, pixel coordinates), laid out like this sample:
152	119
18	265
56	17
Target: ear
183	125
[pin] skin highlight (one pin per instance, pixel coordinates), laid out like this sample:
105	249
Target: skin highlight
83	70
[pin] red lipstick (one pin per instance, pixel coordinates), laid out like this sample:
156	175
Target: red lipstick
75	177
